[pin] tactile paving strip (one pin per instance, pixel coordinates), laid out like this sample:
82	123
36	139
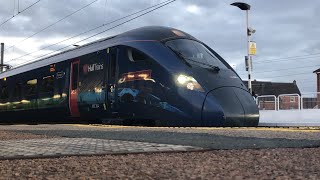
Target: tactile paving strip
36	148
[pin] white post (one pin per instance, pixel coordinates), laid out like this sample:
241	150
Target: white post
249	56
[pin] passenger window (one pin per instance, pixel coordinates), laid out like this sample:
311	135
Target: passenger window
135	55
4	94
47	84
17	90
31	86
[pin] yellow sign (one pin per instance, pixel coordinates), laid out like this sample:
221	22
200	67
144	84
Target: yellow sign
253	48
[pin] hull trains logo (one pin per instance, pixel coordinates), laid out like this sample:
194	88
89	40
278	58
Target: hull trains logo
87	68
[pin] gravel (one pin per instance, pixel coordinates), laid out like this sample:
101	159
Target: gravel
218	164
280	163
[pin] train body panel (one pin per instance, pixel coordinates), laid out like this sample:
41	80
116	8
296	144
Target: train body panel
156	75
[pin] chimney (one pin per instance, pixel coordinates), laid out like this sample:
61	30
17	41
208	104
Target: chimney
318	80
295	82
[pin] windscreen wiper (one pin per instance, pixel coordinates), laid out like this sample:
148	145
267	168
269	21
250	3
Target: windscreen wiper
180	55
215	68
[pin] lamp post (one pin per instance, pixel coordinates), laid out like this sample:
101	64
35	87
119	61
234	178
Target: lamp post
246	7
1	61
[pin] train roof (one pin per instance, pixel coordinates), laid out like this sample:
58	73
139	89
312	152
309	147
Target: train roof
148	33
157	33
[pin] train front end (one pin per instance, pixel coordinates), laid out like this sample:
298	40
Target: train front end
225	99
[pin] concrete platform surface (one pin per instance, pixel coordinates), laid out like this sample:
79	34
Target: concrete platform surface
206	138
57	147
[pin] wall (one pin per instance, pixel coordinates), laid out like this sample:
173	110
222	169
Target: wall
267	105
286	103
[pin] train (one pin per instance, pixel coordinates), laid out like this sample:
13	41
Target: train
156	75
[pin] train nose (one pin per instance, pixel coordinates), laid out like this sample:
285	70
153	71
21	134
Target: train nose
229	106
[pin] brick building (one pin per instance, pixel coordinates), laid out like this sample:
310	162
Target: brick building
318	84
260	88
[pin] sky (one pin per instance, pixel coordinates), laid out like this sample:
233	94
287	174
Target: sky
288	47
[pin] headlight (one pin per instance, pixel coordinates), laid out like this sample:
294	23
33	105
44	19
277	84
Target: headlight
189	83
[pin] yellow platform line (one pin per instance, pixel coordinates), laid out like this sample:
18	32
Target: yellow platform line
278	129
264	129
102	126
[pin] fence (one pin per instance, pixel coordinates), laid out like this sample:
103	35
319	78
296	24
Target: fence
289	101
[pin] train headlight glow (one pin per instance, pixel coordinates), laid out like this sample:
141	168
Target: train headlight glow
189	83
190	86
182	79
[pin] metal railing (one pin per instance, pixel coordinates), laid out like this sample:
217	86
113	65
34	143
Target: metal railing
267	102
289	101
310	100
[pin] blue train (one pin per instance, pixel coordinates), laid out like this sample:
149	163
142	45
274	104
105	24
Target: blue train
155	75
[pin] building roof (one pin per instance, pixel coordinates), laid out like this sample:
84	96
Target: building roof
273	88
317	71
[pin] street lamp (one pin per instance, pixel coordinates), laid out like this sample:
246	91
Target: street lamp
250	31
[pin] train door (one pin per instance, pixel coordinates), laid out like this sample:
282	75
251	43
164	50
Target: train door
73	89
111	79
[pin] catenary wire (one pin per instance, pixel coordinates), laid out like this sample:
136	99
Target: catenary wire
291	57
305	80
107	29
19	12
90	30
295	74
259	72
139	16
97	27
47	27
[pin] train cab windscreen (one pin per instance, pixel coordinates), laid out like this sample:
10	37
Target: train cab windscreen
195	53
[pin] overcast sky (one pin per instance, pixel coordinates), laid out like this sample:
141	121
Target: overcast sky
286	28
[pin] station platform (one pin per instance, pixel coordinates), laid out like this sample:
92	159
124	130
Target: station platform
78	151
290	118
48	141
57	147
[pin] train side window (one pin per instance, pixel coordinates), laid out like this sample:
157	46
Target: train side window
4	94
135	55
75	74
17	90
31	86
47	84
